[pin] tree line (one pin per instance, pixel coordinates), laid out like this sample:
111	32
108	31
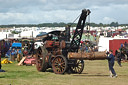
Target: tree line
62	24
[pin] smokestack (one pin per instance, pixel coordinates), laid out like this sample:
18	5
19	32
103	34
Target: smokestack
67	32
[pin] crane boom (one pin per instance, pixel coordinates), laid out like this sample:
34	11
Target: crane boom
78	31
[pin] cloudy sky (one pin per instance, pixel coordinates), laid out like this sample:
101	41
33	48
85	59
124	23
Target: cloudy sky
49	11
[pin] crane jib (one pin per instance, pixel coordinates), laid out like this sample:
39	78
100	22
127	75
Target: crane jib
75	43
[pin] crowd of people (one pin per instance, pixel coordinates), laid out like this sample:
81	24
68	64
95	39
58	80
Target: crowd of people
87	46
7	50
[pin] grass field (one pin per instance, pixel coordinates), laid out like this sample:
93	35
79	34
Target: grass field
95	73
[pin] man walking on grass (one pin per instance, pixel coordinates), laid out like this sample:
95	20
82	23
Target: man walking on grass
111	59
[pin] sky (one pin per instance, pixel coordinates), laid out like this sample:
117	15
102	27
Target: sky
50	11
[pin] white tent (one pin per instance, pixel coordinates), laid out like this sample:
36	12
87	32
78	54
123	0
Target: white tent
3	35
104	43
26	34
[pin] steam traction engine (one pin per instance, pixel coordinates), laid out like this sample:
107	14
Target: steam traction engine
62	54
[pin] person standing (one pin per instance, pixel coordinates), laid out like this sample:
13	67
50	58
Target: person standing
111	59
123	51
119	58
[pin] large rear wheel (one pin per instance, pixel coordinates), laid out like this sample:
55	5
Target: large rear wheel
59	64
41	65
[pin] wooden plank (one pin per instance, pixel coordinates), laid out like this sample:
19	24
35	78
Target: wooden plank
21	62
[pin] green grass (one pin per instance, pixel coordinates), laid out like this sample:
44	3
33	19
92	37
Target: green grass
95	73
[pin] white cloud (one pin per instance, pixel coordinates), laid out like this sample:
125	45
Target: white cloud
108	20
38	11
36	18
108	14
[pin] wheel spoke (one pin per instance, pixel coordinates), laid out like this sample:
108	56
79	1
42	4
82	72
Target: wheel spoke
58	60
56	64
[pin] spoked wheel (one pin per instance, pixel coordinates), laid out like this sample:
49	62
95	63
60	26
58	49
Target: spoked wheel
40	60
59	65
77	67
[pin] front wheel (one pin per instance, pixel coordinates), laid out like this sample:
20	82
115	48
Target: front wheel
78	67
59	64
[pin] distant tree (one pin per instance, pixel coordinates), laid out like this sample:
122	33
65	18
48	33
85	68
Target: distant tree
114	24
100	24
62	24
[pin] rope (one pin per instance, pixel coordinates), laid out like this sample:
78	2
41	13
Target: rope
74	20
88	26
